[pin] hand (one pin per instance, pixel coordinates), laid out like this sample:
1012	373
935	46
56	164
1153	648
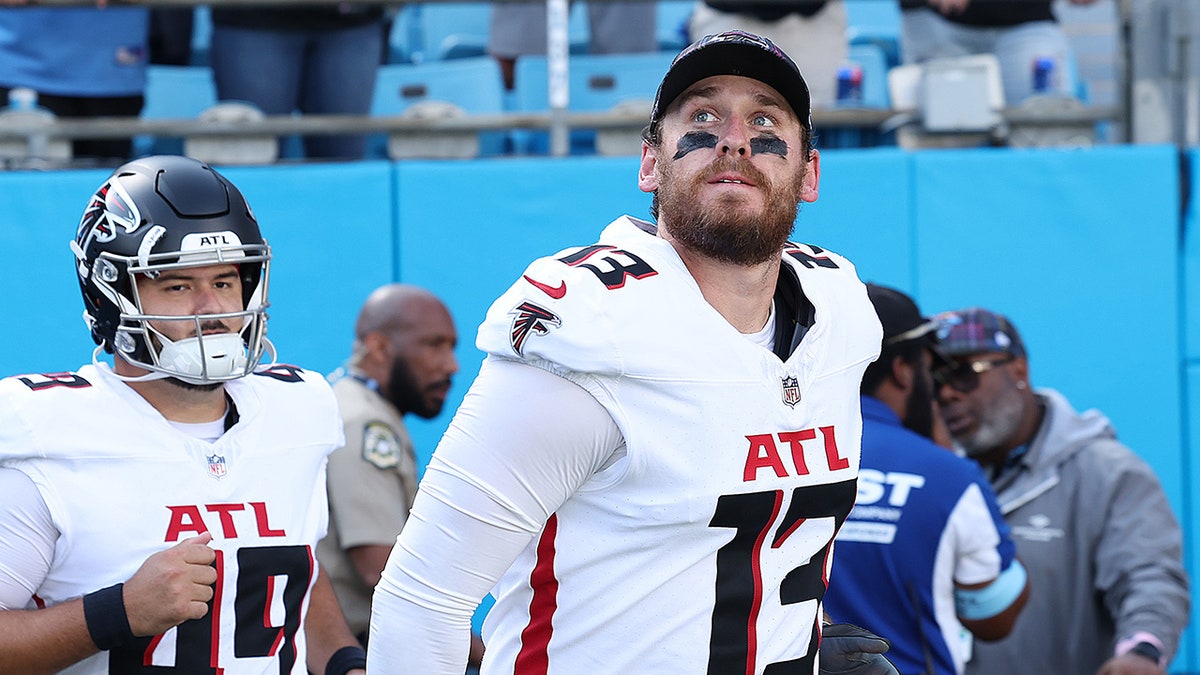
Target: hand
952	6
171	587
1130	664
847	649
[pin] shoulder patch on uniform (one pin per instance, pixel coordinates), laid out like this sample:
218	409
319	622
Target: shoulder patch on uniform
381	445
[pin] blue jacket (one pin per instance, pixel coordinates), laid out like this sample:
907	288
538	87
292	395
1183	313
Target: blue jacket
924	518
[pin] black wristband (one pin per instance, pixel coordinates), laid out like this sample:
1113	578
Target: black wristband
346	659
107	623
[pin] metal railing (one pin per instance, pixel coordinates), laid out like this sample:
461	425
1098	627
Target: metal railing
558	120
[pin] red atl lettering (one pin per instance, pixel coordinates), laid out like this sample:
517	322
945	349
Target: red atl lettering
189	519
260	517
794	438
225	513
836	461
764	452
184	519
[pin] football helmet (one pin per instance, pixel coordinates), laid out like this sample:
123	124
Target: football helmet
167	213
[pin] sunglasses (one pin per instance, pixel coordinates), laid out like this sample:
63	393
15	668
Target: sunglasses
963	376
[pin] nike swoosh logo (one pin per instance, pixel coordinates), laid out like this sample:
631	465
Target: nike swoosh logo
555	292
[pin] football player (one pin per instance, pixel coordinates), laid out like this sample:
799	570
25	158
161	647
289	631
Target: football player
651	465
160	513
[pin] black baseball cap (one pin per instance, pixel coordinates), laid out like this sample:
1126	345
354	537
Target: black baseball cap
900	317
739	53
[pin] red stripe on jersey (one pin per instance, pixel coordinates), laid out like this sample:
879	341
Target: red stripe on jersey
535	639
756	605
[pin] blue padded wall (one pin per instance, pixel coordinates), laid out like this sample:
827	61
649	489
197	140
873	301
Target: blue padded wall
42	306
331	228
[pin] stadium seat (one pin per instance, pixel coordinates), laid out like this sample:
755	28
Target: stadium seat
871	59
472	84
597	83
875	22
201	35
174	92
672	24
403	35
449	30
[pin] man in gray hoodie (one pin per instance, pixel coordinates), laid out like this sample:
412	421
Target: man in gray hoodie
1089	517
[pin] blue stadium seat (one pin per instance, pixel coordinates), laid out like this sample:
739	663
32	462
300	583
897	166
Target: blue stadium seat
597	83
449	30
672	24
871	59
875	22
473	84
875	69
201	35
174	92
403	36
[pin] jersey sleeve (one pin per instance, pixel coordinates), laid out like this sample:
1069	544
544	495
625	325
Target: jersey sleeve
27	538
522	441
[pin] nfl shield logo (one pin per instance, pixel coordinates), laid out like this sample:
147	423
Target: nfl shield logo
216	466
791	391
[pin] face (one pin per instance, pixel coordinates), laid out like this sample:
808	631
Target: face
985	418
729	172
422	364
215	289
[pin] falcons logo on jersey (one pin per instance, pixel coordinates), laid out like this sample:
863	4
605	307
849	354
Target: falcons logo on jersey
530	318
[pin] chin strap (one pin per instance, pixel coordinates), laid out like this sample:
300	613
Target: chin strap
268	348
151	375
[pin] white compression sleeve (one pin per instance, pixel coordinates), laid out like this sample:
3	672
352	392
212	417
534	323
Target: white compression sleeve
523	441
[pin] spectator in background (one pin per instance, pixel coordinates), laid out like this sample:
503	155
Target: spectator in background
1017	32
170	38
318	60
812	32
1101	543
617	27
402	362
925	547
82	62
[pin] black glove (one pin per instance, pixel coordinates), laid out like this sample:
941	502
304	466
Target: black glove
847	649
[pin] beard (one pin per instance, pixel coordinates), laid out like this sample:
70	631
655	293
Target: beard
997	423
405	393
724	231
191	386
918	408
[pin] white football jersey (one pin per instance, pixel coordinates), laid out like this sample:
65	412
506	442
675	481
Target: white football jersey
706	547
121	483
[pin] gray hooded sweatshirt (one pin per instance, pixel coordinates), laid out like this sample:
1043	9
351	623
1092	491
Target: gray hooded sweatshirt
1100	542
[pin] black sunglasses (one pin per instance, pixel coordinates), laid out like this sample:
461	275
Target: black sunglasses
963	376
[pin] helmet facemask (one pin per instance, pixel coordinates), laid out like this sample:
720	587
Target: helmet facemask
205	356
162	216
